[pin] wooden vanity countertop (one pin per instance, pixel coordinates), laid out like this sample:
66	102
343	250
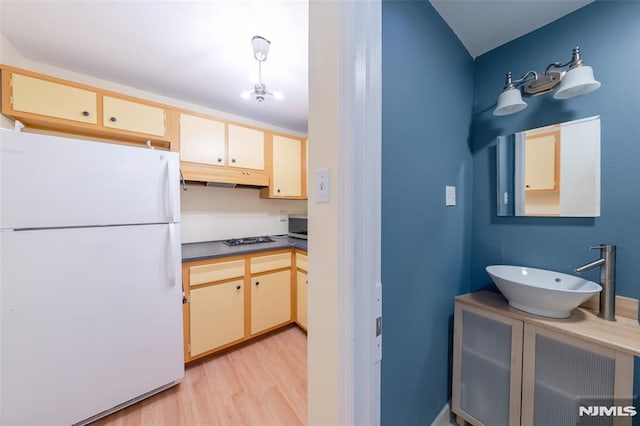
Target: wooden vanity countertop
621	335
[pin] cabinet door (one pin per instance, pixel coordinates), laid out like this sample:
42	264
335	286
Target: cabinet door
301	296
201	140
542	161
270	300
43	97
560	373
487	362
287	167
133	116
217	316
246	148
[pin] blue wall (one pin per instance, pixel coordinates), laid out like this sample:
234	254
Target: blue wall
426	115
608	33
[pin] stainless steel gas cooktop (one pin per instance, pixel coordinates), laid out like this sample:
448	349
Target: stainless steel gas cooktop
248	240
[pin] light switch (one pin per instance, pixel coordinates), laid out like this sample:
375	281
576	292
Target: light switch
323	186
450	195
283	216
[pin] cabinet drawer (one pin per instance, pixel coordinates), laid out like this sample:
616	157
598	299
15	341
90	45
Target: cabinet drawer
215	272
301	261
271	262
133	116
53	99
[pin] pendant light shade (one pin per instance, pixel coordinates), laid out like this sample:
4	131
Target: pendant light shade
577	81
260	48
509	101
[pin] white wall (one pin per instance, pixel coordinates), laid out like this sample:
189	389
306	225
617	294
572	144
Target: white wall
207	213
210	213
323	316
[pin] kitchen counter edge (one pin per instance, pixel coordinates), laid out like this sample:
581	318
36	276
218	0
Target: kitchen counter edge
215	249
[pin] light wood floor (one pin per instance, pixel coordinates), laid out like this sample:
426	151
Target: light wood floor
262	383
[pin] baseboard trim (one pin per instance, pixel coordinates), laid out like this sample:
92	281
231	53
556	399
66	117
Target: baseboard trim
444	417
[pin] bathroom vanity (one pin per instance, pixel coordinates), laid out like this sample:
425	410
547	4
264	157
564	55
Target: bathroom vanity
514	368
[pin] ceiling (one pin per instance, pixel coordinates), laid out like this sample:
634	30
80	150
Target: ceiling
200	51
483	25
195	51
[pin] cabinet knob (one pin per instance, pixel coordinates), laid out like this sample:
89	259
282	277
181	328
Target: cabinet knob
233	160
257	282
113	119
278	191
528	186
85	113
238	288
219	160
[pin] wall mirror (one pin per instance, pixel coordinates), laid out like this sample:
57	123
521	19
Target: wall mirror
550	171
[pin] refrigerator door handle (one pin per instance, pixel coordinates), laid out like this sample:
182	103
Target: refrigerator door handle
174	254
170	195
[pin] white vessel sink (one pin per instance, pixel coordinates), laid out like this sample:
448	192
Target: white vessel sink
541	292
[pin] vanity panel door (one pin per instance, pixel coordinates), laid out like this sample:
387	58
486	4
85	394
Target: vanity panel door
560	373
487	362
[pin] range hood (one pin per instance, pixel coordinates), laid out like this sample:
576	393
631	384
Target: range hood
223	177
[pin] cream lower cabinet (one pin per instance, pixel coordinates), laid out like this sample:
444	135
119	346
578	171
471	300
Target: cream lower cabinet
270	300
216	316
509	372
301	298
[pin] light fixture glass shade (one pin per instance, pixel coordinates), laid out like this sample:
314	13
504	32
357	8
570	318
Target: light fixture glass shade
509	101
260	47
577	81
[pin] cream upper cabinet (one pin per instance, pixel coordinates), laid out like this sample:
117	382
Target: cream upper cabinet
287	166
216	316
301	298
36	96
202	140
133	116
246	148
270	300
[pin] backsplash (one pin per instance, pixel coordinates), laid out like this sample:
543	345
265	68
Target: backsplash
210	213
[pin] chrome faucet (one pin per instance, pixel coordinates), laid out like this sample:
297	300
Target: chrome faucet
607	264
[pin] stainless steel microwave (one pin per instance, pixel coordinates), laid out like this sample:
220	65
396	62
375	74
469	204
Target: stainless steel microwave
298	226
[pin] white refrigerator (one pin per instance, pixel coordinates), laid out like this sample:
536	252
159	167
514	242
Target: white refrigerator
90	275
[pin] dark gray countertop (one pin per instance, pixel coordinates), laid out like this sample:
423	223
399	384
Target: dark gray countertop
213	249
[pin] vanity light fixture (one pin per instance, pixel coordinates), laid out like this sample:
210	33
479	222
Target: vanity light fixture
578	80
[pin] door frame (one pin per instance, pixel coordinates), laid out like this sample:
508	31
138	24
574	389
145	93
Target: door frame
345	98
